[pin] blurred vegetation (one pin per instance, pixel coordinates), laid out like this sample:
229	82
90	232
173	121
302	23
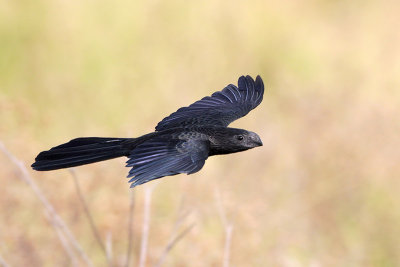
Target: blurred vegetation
324	190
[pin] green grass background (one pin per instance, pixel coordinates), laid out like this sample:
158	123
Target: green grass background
324	190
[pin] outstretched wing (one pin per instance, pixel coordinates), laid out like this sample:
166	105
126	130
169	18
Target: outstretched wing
160	157
219	109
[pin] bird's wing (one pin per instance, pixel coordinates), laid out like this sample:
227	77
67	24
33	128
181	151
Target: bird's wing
219	109
157	158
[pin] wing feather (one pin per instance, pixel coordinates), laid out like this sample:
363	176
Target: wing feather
219	109
158	158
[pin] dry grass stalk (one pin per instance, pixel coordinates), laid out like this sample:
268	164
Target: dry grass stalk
109	252
227	248
181	216
89	216
228	227
172	243
63	240
130	228
3	263
146	225
56	221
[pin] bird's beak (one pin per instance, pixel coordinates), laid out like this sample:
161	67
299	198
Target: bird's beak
256	140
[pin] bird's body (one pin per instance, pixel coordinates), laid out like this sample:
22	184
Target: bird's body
181	143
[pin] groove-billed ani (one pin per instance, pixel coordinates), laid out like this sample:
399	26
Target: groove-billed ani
181	142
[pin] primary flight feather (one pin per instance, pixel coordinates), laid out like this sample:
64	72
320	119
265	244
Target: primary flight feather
181	142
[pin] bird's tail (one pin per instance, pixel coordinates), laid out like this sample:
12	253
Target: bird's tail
80	151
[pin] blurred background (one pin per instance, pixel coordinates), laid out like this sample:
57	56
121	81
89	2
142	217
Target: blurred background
324	190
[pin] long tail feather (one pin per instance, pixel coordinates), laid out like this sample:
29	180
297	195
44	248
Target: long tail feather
80	151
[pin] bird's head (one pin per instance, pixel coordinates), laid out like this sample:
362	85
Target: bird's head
233	140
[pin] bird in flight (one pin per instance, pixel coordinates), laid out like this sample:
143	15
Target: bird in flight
181	142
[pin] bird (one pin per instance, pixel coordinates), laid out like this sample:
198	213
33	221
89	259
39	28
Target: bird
181	142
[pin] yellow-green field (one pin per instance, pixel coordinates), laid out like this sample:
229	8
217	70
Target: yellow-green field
324	190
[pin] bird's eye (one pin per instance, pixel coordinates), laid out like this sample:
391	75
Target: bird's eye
240	137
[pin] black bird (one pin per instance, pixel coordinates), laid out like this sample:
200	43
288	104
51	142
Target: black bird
181	142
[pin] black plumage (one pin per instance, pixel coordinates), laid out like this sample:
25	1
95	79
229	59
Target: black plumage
181	142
